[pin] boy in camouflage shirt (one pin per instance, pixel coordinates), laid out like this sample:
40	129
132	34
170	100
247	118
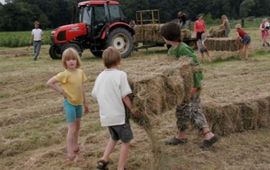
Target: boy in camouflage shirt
189	110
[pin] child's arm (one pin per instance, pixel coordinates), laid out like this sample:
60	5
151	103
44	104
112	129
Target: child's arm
128	104
52	82
85	103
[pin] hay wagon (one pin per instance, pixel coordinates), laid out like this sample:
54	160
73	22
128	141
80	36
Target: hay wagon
147	30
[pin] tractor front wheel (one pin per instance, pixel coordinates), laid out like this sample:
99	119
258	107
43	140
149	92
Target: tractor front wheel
74	46
55	52
122	40
96	52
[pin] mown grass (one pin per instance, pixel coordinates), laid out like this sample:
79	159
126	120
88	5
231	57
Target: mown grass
20	39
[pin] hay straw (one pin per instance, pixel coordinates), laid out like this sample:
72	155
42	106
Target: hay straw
159	91
222	44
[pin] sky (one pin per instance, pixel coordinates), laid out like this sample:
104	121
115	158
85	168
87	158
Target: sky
2	1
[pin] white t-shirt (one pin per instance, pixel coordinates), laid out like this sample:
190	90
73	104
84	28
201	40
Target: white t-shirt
37	33
110	87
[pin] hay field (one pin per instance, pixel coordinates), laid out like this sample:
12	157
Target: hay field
33	129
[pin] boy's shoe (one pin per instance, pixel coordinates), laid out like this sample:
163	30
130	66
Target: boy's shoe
102	165
207	143
176	141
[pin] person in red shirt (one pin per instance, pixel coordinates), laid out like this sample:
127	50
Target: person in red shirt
244	39
200	29
199	26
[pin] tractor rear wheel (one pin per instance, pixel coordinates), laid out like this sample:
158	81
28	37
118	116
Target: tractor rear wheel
55	52
122	40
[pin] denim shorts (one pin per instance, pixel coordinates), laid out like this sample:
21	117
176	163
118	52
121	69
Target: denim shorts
122	132
72	112
246	40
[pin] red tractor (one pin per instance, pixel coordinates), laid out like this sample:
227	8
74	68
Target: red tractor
101	24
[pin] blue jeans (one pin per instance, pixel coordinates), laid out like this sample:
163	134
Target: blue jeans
37	46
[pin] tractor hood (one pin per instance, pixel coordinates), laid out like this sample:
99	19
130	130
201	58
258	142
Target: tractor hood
67	33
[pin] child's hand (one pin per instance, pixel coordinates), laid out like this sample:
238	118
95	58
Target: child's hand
135	113
64	94
193	91
86	109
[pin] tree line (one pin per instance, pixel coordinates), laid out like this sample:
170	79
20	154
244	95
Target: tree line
18	15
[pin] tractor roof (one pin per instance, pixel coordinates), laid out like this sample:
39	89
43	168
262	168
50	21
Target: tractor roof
98	2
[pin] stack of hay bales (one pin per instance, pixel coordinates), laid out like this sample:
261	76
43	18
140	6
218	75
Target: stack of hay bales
151	33
161	89
238	116
185	34
148	33
217	31
223	44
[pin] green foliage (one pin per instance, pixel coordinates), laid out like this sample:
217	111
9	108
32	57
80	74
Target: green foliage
245	7
20	39
18	15
210	21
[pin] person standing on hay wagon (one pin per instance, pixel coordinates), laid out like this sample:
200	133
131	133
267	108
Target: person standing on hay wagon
190	109
183	20
244	39
111	90
226	25
36	39
200	30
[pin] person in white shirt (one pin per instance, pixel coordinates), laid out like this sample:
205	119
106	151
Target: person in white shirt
111	90
36	39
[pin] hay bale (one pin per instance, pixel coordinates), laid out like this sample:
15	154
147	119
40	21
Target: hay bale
161	90
217	31
185	34
222	44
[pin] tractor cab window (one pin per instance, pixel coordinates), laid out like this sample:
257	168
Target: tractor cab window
116	13
85	15
98	20
99	14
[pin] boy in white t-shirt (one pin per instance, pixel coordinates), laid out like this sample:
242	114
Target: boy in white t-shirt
36	39
111	91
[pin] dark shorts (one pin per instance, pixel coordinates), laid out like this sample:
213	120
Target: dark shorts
246	40
199	35
121	132
203	50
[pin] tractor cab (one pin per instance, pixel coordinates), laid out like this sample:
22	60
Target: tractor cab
98	14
